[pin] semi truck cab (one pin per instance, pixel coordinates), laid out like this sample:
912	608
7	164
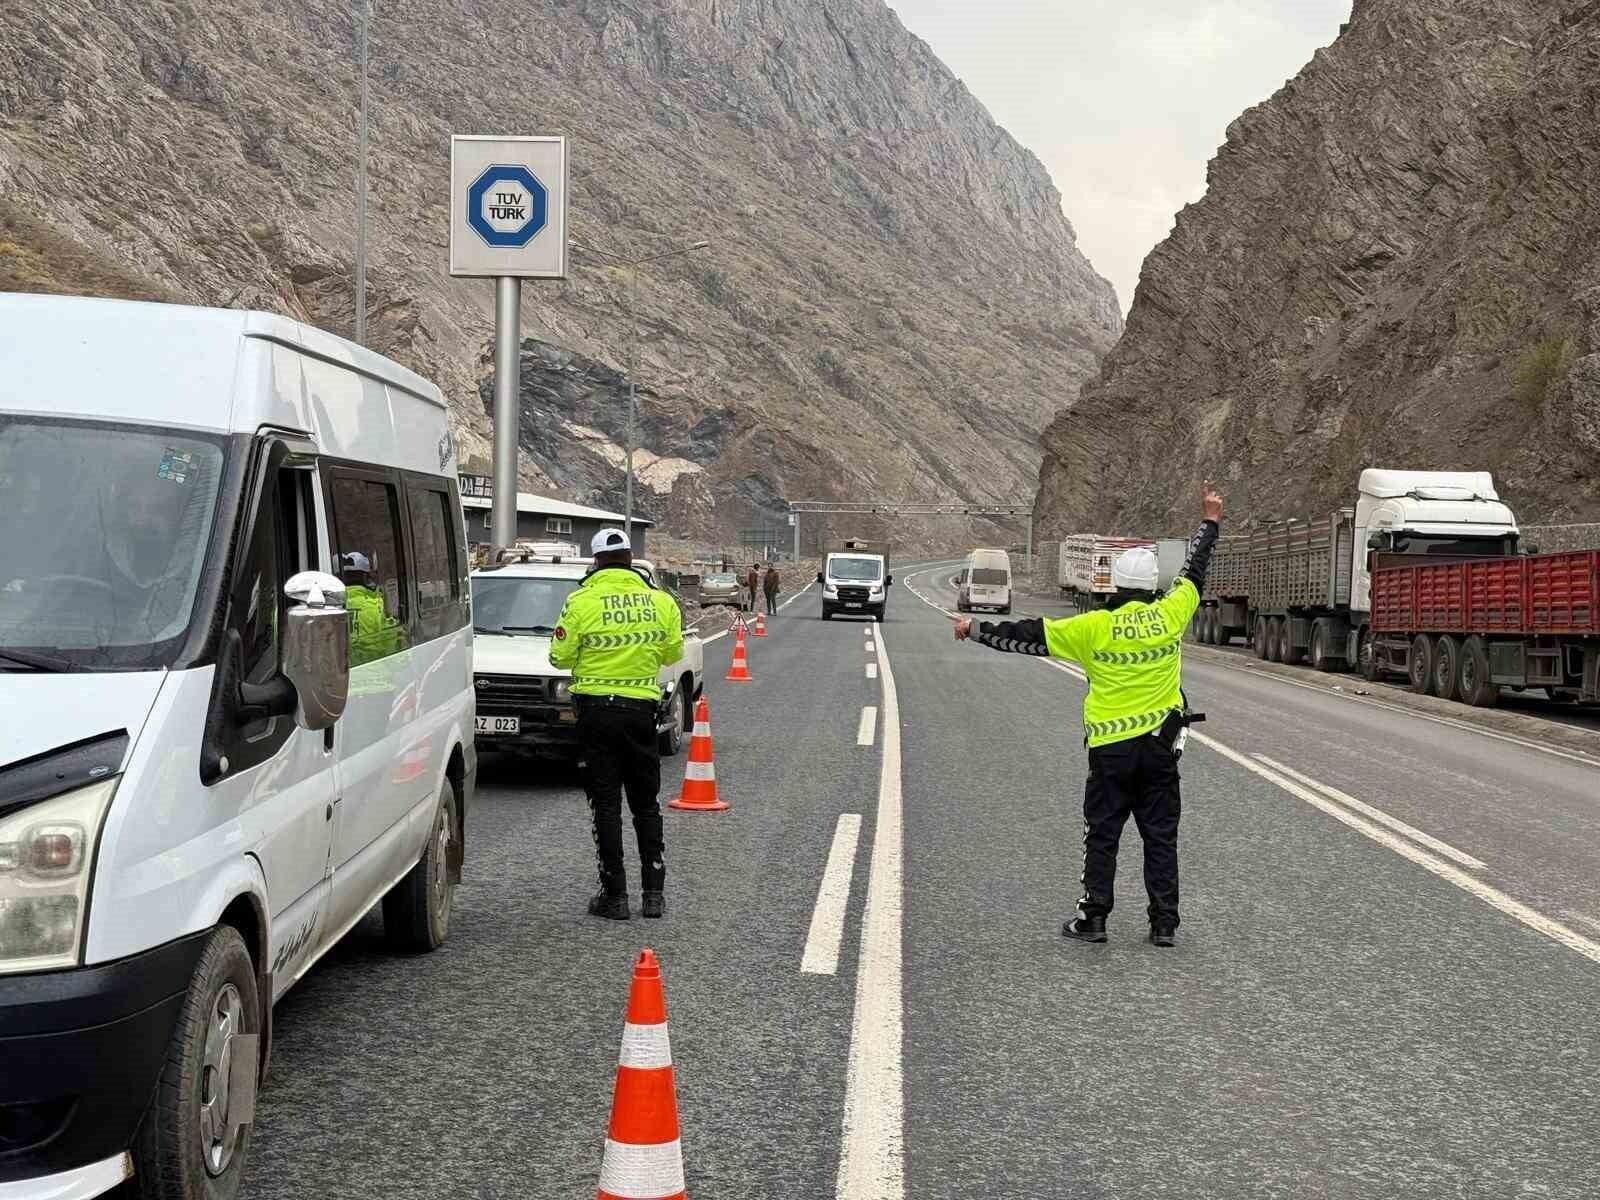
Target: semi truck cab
1454	514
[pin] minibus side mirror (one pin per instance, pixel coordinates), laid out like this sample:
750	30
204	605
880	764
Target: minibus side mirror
819	576
316	648
889	582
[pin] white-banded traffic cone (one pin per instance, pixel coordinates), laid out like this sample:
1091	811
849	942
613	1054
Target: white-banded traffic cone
699	792
644	1157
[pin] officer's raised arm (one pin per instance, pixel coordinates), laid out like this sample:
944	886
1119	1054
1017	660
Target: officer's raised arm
1038	636
1180	603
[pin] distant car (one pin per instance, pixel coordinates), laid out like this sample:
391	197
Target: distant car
721	588
524	703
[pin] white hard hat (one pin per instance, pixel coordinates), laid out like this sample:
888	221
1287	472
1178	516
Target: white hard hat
1134	570
609	539
355	561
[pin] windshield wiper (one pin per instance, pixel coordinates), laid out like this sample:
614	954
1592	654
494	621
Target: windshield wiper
38	662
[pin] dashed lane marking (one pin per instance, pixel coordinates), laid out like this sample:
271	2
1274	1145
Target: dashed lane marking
833	898
869	724
872	670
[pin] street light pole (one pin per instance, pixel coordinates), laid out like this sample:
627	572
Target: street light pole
361	188
632	264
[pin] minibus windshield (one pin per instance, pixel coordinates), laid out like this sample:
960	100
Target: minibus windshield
855	570
103	534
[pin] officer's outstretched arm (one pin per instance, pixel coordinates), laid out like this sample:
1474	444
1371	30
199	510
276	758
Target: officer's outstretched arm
1036	636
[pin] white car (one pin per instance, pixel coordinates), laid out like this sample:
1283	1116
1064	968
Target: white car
524	703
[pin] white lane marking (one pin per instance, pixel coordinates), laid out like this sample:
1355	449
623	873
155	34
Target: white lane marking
872	670
1530	917
1573	914
869	722
1378	815
1576	756
833	899
796	596
871	1147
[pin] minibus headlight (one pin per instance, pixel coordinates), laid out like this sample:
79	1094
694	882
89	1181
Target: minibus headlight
47	854
830	589
562	691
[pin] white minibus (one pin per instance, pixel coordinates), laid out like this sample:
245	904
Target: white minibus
235	714
985	582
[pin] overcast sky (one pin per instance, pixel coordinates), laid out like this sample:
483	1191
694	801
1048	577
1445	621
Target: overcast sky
1125	101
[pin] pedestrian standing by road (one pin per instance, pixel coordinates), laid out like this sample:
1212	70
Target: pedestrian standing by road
752	582
769	588
1133	718
615	633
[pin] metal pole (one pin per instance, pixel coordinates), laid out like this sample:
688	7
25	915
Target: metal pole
361	189
796	517
633	401
507	327
1028	554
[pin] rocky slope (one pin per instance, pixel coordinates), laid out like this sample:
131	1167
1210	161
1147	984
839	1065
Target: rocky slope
892	303
1396	262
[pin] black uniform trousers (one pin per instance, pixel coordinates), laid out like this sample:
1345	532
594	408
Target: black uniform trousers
1138	776
618	738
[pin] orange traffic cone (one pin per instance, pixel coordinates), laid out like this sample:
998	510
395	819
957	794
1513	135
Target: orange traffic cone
739	671
761	626
699	792
644	1158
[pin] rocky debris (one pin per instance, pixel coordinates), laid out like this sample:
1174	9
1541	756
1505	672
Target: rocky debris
892	301
1396	263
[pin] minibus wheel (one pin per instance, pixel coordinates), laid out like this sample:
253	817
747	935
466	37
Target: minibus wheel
190	1146
416	912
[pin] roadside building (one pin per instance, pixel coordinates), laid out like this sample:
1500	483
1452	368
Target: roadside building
544	519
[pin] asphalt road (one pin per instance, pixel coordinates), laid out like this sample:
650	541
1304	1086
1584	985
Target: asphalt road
1352	1010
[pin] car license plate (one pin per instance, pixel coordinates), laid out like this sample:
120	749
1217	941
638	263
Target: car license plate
497	724
852	604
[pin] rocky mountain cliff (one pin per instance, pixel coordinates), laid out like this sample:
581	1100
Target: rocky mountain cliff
892	304
1396	263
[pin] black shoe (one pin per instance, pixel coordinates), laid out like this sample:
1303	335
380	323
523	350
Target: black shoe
1161	935
653	905
1085	929
613	906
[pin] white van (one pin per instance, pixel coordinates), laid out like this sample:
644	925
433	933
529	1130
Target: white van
985	582
235	713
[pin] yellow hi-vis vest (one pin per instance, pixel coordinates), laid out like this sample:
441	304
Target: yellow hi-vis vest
1132	657
615	633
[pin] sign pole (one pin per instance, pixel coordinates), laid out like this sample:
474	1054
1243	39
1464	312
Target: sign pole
361	189
507	355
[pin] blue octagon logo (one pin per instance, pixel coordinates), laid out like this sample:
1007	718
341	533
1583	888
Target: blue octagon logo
507	206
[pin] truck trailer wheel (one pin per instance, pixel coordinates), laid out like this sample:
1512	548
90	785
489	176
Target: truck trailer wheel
1274	639
1286	647
1321	643
1419	665
1472	676
1446	662
1261	637
1208	631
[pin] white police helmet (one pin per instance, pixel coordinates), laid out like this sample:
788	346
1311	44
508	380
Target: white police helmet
609	539
1134	570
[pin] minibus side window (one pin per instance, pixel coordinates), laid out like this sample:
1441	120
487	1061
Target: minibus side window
436	546
370	559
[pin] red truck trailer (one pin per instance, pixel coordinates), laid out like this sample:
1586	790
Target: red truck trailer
1463	629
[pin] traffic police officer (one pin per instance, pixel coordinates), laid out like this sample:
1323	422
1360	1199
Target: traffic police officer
614	634
1133	717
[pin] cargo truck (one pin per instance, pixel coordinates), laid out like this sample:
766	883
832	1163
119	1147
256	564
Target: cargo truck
855	579
1086	560
1307	584
1463	629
